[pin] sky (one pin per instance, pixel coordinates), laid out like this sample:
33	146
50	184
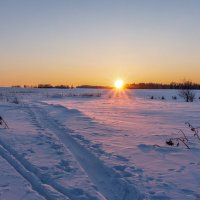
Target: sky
98	41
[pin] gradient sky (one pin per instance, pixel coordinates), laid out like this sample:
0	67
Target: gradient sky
99	41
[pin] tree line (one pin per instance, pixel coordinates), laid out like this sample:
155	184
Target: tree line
49	86
172	85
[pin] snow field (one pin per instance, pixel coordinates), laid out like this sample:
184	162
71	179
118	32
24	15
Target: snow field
64	146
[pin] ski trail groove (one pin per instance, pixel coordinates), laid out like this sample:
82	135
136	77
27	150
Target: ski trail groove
65	192
28	176
104	178
44	179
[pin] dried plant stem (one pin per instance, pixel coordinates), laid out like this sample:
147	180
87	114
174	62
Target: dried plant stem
182	140
193	129
181	131
3	123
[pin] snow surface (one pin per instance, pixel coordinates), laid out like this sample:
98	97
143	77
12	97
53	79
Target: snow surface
97	144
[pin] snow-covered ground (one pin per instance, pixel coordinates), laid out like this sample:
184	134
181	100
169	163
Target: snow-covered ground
97	144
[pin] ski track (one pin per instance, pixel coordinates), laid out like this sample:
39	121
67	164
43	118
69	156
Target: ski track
26	174
45	179
108	183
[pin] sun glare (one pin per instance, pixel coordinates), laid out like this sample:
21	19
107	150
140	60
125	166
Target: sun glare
119	84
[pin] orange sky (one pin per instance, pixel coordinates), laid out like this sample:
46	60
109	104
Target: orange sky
97	43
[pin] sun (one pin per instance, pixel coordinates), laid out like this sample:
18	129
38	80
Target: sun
119	84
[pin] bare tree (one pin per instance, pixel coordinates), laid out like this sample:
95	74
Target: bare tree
186	92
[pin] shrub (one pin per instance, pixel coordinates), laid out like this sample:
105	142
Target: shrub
186	92
15	100
163	98
174	97
152	97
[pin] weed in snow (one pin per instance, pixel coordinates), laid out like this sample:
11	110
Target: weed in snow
183	139
3	123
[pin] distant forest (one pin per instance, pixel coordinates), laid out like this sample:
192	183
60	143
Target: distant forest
172	85
94	87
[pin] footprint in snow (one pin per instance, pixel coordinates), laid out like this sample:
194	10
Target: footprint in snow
120	167
182	168
44	168
59	152
77	192
122	170
64	165
4	185
40	143
56	146
171	169
126	174
160	197
31	150
121	158
187	191
145	148
150	178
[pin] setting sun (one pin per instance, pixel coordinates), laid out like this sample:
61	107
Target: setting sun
119	84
